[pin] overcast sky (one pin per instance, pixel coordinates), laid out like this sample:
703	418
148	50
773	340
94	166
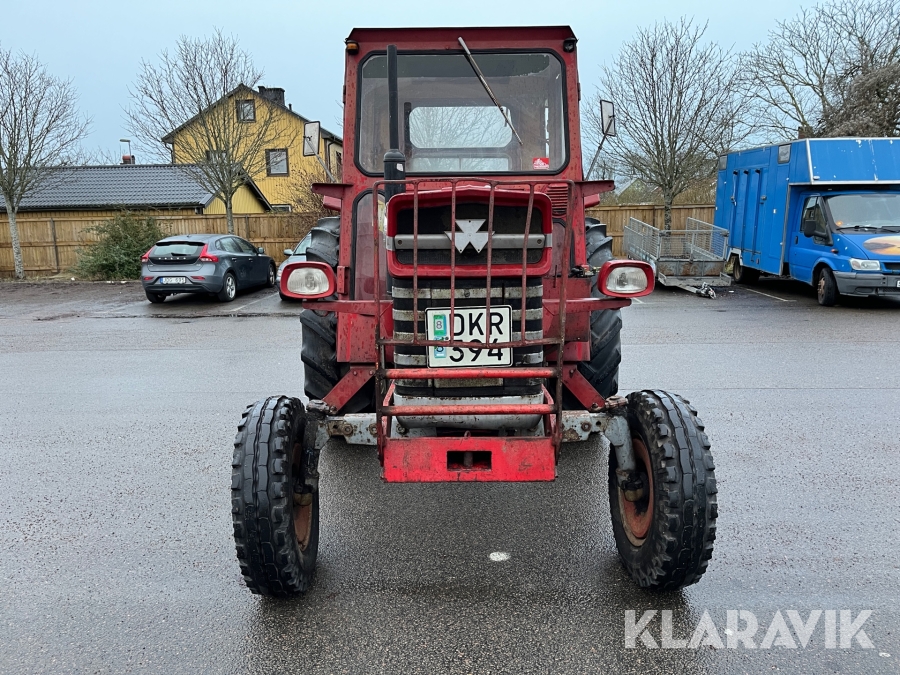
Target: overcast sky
100	45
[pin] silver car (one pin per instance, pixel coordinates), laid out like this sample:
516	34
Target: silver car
297	254
215	264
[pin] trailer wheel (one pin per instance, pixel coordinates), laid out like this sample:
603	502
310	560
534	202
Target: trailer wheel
744	275
274	513
665	539
319	348
602	371
826	287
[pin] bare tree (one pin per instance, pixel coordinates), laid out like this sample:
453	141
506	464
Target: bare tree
677	103
829	71
197	108
40	131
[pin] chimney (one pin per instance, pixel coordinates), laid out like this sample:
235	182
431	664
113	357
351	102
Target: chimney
274	94
127	159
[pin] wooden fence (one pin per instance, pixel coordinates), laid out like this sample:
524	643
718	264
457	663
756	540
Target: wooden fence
616	218
50	244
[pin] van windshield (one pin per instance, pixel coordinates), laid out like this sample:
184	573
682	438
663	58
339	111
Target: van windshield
865	211
449	123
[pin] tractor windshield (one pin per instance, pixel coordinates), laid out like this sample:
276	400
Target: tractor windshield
449	123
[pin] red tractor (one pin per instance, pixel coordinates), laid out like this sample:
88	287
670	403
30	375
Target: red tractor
461	314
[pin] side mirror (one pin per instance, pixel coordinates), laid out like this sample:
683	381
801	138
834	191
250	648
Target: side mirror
608	118
261	250
809	227
311	134
288	252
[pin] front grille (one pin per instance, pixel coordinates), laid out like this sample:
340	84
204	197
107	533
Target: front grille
436	220
469	293
892	266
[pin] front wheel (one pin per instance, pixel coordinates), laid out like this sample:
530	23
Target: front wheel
826	288
665	538
274	509
270	277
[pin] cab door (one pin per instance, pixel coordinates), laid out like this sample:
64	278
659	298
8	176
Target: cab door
807	249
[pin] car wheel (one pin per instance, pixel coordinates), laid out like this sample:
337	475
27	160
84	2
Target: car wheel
155	298
229	288
270	280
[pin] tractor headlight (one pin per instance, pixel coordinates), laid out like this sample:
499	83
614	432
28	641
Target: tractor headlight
865	265
307	280
625	278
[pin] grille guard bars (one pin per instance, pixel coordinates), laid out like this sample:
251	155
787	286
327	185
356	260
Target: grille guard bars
514	457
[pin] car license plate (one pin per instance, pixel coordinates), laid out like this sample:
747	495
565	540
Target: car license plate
469	325
173	280
898	283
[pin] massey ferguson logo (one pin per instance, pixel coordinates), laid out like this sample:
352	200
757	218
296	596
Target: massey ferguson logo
468	234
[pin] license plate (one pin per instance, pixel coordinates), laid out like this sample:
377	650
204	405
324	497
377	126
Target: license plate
898	283
173	280
469	325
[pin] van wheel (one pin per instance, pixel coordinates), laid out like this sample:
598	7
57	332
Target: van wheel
744	275
826	288
665	538
274	511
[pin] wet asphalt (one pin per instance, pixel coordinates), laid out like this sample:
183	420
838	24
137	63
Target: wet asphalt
116	552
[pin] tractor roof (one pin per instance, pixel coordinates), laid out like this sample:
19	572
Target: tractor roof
499	36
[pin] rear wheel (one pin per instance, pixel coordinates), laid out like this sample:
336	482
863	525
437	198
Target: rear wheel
602	371
229	288
155	298
274	512
665	538
744	275
319	349
826	288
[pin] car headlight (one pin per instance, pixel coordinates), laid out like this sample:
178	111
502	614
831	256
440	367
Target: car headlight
308	280
865	265
625	278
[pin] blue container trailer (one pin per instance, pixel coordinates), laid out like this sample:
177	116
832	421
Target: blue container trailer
823	211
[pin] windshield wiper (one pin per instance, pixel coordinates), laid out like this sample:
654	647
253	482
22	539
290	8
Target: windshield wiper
487	88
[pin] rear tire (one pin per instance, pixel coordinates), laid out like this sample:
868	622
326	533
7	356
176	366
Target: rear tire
155	298
602	371
665	540
229	288
744	275
319	350
270	279
274	513
826	288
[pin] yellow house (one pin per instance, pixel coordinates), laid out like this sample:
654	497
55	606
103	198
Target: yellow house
278	168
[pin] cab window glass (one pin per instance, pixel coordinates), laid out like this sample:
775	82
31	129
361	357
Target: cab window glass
812	210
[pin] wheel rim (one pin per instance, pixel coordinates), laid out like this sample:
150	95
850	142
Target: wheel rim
302	512
271	276
229	286
820	287
638	516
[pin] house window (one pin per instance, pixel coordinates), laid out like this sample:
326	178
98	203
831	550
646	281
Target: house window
216	156
281	208
246	110
277	162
